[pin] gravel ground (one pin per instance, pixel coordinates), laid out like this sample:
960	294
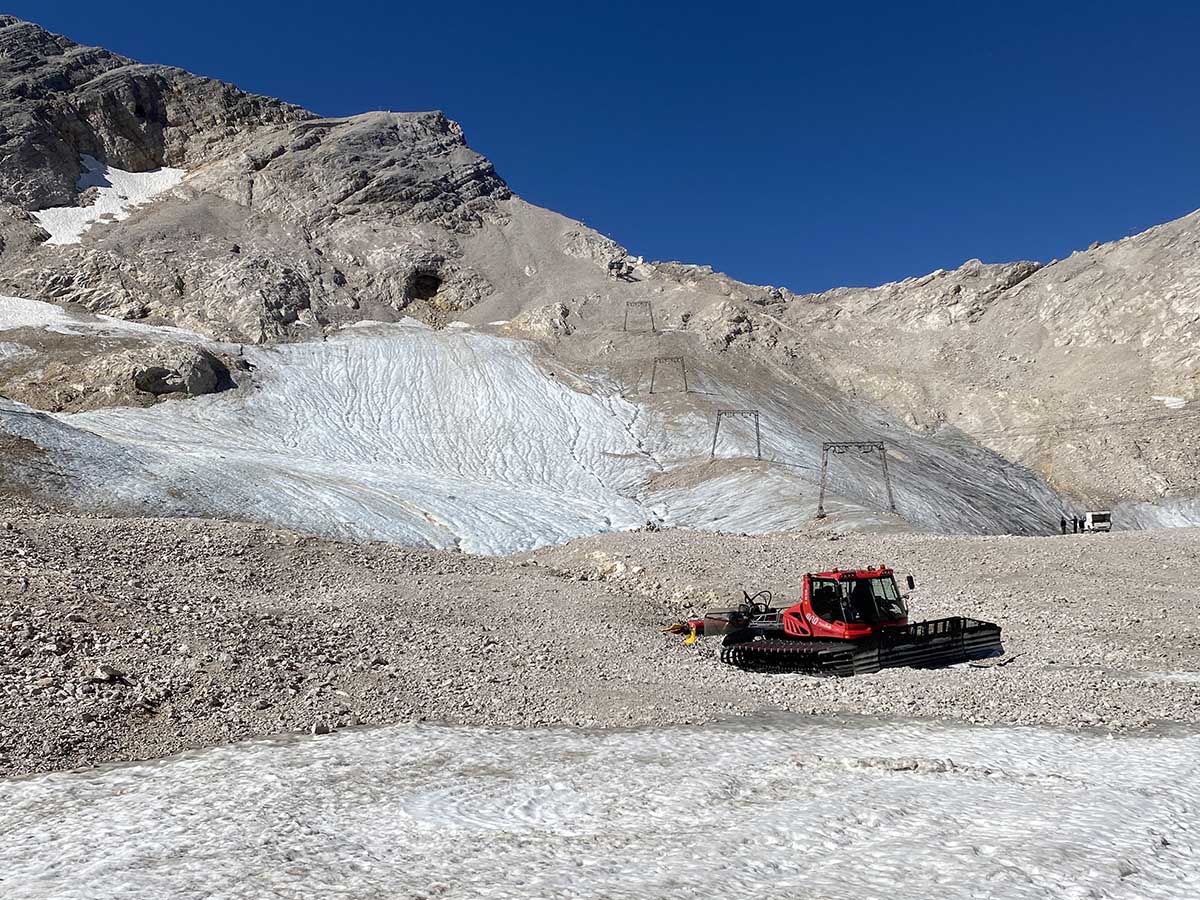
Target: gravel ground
134	638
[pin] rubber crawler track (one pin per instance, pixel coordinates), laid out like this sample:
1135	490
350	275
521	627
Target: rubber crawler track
932	644
778	656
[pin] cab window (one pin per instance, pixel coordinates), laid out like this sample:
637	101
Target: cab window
826	599
887	599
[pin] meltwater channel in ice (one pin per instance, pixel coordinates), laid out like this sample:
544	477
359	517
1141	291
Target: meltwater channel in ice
786	808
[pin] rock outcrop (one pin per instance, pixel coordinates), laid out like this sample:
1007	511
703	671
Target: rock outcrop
1064	368
69	374
286	222
60	101
187	370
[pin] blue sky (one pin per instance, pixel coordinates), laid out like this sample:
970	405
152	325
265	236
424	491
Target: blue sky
802	144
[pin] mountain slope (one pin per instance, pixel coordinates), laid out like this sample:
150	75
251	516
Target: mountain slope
60	101
275	226
469	439
1087	370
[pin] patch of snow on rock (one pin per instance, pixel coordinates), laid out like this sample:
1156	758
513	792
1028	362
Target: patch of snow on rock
117	194
16	312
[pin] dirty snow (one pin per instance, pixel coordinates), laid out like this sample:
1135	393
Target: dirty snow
402	433
944	483
795	808
16	312
118	193
461	439
1169	512
13	351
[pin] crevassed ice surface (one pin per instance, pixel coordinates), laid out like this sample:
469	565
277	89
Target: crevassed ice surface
117	194
802	809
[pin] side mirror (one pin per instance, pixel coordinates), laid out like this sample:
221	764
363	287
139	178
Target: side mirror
911	583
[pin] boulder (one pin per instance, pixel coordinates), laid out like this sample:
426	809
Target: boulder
182	370
723	322
548	321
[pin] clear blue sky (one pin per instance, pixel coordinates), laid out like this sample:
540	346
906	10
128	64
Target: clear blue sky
803	144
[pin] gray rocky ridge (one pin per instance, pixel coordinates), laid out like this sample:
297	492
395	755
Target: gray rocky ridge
59	101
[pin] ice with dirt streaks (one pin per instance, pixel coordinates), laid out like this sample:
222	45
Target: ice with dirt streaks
464	439
403	433
795	808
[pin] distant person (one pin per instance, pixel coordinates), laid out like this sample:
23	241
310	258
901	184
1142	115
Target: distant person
1062	523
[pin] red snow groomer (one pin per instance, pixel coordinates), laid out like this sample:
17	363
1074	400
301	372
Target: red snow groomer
848	622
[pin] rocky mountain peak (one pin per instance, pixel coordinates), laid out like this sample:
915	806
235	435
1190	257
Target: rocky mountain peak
60	101
284	220
412	167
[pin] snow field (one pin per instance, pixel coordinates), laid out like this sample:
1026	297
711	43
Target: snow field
118	193
795	808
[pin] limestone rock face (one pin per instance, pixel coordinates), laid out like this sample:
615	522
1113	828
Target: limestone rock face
412	168
288	223
932	302
583	243
1065	368
722	323
543	322
59	101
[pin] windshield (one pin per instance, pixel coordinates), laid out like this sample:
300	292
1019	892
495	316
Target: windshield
855	600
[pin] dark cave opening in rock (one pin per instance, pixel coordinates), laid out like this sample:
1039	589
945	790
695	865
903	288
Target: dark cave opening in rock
424	286
139	111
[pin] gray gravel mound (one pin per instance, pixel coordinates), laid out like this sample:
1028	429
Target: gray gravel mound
134	638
